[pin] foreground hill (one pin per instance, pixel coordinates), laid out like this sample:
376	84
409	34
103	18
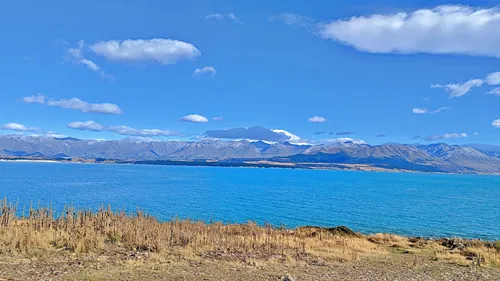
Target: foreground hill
439	157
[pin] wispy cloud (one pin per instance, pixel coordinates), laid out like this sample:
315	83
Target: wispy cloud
194	118
320	133
160	50
460	89
343	140
19	128
216	17
210	70
218	118
427	111
446	136
317	119
34	99
76	55
233	17
449	29
381	136
77	104
254	133
495	92
122	130
86	126
296	20
344	133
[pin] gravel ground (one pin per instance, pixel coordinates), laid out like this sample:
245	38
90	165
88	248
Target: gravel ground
135	267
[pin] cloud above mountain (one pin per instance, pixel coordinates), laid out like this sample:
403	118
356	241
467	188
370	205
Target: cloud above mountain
344	133
253	133
446	136
19	128
448	29
86	126
342	140
76	103
122	130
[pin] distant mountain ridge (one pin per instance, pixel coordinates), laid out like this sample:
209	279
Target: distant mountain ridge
438	157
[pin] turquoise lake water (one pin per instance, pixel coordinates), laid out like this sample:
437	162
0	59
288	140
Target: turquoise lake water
430	205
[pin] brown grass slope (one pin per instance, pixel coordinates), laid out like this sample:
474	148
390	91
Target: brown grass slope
117	238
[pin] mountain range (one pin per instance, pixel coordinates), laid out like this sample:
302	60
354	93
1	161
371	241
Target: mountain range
439	157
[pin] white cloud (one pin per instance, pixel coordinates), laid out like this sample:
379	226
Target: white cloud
122	130
426	111
19	128
54	135
495	92
90	64
194	118
214	17
446	136
86	126
35	99
343	140
460	89
496	123
76	55
493	78
218	118
291	137
450	29
294	19
420	110
317	119
164	51
475	134
454	136
76	103
233	17
205	70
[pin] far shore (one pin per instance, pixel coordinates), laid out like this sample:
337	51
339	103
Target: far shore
242	164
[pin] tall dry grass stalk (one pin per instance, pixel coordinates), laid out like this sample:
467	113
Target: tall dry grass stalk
83	231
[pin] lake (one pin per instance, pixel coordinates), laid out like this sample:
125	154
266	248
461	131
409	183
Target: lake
415	204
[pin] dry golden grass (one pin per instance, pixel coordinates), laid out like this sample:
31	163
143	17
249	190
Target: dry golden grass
86	232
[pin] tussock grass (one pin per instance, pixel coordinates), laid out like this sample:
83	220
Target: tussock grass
81	231
87	232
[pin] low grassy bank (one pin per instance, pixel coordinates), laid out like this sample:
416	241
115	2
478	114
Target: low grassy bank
125	239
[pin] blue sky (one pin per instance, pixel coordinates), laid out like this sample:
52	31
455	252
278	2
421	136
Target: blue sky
398	70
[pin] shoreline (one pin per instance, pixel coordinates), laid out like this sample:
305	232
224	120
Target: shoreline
247	164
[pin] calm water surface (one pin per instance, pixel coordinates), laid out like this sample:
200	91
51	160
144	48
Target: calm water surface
403	203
